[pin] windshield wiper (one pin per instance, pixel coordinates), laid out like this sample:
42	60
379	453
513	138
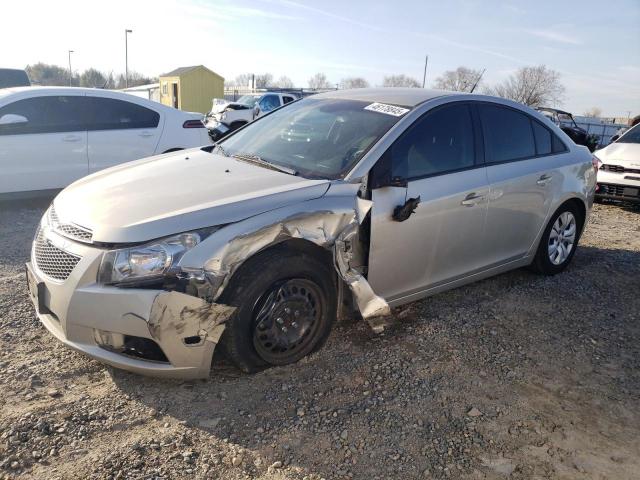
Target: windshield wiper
249	157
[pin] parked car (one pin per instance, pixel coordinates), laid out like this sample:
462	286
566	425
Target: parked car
13	77
619	174
569	126
383	197
51	136
226	118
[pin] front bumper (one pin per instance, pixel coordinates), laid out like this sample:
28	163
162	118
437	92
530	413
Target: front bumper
618	186
96	319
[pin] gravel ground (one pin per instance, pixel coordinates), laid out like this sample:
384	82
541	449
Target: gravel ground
517	376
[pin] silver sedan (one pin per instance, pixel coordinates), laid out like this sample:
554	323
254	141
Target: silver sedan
348	200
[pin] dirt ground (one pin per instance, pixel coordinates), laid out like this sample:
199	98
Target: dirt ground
518	376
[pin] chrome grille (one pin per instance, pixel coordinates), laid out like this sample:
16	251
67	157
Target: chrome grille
619	169
51	260
69	230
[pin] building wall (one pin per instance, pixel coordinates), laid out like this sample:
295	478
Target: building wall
199	88
166	89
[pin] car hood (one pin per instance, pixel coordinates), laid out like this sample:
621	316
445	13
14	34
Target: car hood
626	154
177	192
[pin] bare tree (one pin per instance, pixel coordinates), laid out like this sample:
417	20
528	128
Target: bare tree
462	79
354	82
534	86
242	80
264	80
135	79
400	81
319	81
284	82
45	74
593	112
93	78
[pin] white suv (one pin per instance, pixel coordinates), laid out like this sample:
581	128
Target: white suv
227	117
52	136
619	174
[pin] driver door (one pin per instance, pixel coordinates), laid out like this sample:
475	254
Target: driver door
442	240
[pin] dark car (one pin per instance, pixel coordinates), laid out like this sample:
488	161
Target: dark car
11	77
568	125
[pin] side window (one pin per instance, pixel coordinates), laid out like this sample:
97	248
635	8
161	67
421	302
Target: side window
543	138
507	134
269	102
557	145
112	114
439	142
50	114
286	99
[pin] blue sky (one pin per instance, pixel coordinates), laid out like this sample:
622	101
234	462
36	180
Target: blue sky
594	45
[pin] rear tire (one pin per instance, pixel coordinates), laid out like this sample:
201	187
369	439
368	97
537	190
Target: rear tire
285	306
559	241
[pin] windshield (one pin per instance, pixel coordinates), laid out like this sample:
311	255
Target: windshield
249	100
631	136
320	138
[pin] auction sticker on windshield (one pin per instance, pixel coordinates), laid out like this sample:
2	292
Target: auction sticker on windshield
387	109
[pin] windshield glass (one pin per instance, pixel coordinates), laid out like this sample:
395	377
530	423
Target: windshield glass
249	100
631	136
321	138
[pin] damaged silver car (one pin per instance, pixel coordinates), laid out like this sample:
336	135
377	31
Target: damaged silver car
345	201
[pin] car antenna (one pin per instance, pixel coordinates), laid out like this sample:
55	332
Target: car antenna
478	80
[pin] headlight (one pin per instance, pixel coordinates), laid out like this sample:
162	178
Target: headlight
147	263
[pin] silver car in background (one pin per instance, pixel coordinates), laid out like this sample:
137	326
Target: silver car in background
348	200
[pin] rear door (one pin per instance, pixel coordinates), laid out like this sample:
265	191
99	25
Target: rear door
120	131
442	240
47	147
522	167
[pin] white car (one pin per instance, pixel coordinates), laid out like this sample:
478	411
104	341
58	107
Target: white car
619	174
52	136
225	118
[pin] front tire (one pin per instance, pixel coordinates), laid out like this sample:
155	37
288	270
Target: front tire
559	241
285	306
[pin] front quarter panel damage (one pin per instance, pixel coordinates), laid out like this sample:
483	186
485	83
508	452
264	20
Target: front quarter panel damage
331	222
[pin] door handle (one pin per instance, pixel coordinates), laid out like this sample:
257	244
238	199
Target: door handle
146	134
71	138
472	199
544	179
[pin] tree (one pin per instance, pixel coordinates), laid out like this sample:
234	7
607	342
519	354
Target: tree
264	80
534	86
53	75
462	79
354	82
242	80
93	78
400	81
593	112
134	79
284	82
319	81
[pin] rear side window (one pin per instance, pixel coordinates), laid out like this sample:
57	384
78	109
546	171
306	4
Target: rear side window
439	142
543	139
507	134
112	114
287	99
50	114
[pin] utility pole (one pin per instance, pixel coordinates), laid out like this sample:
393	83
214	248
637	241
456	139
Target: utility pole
126	58
70	72
424	77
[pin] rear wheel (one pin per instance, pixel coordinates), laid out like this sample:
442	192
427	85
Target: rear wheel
285	306
559	241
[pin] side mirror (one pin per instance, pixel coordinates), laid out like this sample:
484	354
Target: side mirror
12	119
384	175
256	111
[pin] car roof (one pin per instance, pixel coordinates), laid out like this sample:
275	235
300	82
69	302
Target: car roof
408	97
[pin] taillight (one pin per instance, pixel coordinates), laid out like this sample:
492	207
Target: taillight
595	161
193	124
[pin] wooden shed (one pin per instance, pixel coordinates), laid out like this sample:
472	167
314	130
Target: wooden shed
191	88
